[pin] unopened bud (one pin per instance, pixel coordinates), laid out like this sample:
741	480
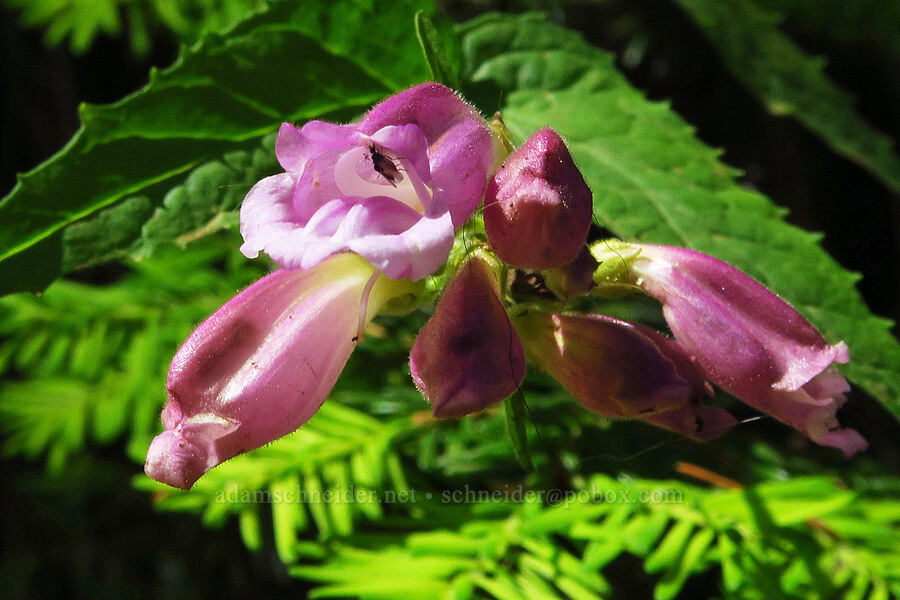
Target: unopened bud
537	207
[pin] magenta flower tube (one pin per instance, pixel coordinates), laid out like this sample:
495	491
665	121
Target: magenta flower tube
749	341
622	371
262	365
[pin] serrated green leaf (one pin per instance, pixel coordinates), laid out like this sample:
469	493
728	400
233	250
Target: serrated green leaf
790	82
289	62
19	273
862	20
653	181
442	69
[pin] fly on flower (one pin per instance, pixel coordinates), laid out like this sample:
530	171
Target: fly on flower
384	165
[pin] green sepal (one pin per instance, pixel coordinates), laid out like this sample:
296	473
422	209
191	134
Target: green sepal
517	427
432	47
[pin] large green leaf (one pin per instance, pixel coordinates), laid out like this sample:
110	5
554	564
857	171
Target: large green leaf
858	21
653	181
292	62
206	202
790	82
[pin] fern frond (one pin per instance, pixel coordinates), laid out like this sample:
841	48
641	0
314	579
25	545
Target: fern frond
89	362
767	541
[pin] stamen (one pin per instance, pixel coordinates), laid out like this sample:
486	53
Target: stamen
364	306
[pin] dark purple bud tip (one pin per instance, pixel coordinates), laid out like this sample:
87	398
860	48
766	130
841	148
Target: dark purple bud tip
537	207
574	279
468	356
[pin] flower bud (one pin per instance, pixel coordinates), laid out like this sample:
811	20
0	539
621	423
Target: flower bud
537	207
623	371
468	356
574	279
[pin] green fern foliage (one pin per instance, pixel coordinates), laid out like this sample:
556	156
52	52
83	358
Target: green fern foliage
88	362
339	469
82	21
800	538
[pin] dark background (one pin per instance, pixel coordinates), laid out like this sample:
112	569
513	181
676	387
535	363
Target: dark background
105	540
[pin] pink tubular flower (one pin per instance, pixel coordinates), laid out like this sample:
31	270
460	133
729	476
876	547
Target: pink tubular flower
749	341
390	188
623	371
262	365
468	356
537	207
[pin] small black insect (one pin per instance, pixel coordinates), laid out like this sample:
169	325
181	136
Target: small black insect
384	166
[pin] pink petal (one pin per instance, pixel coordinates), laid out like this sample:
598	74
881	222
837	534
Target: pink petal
398	240
460	149
332	168
258	368
294	146
409	142
613	368
267	215
316	187
697	421
269	223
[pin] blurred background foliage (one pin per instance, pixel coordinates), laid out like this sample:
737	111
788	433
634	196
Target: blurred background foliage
760	513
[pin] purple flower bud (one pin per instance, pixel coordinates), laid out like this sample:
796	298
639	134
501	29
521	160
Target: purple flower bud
262	365
390	188
623	371
468	356
574	279
749	341
537	207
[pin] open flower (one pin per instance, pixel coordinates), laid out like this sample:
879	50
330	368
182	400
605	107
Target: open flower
749	341
390	188
468	356
623	371
262	365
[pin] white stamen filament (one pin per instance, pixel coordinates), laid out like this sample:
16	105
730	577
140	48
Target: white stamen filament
364	306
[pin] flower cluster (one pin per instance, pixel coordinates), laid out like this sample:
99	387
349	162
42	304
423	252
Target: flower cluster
364	211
